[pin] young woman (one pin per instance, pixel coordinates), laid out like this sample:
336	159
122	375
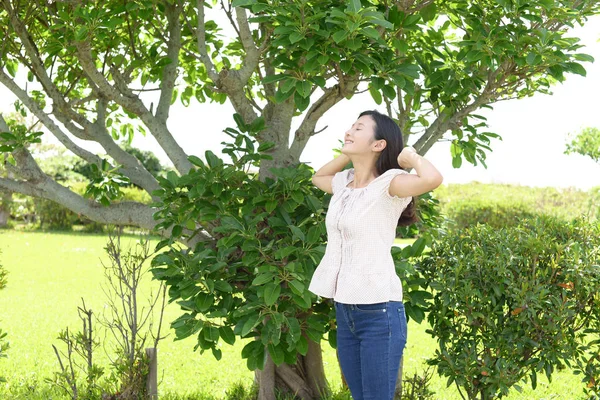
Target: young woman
357	271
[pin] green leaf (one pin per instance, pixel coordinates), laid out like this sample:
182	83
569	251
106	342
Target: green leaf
204	301
576	69
223	286
227	335
271	205
297	233
533	59
277	353
296	37
583	57
281	96
332	337
12	68
217	353
243	3
302	345
371	32
266	146
303	88
257	125
353	6
196	161
455	149
375	94
273	78
262	279
297	287
429	12
456	161
82	33
389	92
272	292
340	36
301	102
250	323
212	159
416	249
177	230
211	333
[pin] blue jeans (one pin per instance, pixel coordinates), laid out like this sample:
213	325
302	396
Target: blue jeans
370	342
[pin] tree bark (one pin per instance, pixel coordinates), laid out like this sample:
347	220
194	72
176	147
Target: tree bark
266	380
315	371
4	213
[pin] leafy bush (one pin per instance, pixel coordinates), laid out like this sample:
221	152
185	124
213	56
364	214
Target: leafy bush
476	211
513	302
52	215
252	281
503	205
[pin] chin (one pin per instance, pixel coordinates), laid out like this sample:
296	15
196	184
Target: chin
345	150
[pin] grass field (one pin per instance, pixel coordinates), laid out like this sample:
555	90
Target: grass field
50	272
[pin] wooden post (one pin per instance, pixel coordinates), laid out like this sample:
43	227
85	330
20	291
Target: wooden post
152	378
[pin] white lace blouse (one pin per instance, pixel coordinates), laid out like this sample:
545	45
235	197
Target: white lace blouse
357	267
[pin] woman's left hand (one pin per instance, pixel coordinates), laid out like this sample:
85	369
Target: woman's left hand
407	157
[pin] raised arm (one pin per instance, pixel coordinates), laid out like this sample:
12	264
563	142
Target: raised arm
408	185
323	177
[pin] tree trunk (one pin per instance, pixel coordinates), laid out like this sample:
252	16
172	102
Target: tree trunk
5	200
315	371
306	379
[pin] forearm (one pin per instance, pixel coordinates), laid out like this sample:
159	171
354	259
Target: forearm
425	169
334	166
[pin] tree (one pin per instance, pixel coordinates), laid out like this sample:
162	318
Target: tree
103	71
586	143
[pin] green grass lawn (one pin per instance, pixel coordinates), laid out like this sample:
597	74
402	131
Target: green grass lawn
49	273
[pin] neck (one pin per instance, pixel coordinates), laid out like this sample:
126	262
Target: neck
364	171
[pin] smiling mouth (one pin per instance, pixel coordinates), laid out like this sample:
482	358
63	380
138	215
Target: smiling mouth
348	141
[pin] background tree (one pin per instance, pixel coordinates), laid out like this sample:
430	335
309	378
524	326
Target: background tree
100	71
586	143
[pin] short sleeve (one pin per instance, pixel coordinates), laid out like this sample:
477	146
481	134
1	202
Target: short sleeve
401	202
340	181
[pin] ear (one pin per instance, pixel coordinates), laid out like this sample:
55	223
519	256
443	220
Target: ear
379	145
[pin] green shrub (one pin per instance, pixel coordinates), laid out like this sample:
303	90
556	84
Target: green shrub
475	211
504	205
52	215
513	302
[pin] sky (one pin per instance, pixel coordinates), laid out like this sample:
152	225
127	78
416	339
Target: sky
534	131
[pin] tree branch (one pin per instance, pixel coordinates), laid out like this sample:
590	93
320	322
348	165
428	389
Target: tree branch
170	70
128	100
201	39
330	97
47	121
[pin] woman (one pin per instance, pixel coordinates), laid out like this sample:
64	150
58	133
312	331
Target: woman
357	271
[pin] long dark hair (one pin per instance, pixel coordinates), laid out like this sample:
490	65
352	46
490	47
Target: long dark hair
387	129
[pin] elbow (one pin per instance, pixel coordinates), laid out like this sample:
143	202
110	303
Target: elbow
439	180
435	181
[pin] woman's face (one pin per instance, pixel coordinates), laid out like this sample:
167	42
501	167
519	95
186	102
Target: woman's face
360	138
